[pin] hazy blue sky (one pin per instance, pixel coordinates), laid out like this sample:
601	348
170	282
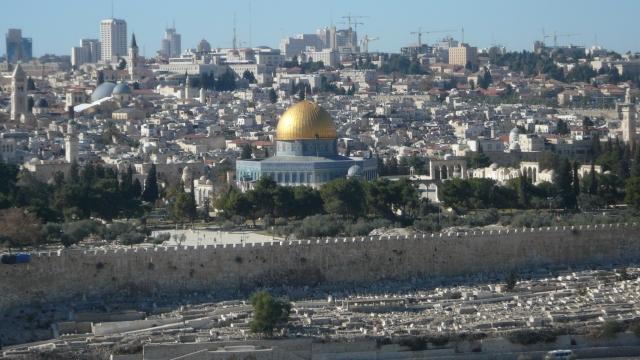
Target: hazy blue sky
56	26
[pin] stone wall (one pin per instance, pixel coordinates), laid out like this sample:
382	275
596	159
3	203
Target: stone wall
146	271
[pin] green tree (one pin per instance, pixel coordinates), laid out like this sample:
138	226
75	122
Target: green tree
136	188
563	180
344	197
307	201
478	159
562	128
233	203
593	185
576	180
150	192
31	85
183	207
523	190
512	280
268	313
262	197
485	78
226	81
284	202
246	152
635	166
273	96
632	192
248	75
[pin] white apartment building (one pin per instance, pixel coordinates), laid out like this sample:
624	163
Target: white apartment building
87	52
113	39
329	57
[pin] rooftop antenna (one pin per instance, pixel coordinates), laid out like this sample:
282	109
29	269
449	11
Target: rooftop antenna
173	24
234	31
249	23
112	9
462	35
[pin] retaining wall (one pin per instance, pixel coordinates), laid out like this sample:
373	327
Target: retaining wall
65	274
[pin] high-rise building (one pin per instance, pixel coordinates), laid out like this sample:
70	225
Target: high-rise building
113	39
463	55
18	48
294	46
171	44
87	52
18	93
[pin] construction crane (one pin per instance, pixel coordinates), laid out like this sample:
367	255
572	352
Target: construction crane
364	42
350	18
420	33
545	36
556	36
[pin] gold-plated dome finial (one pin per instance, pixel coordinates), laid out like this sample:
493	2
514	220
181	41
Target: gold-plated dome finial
305	120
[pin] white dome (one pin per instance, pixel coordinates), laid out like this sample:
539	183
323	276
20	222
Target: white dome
354	171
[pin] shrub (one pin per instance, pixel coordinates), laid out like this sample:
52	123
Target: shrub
531	219
131	238
528	337
319	225
364	227
609	329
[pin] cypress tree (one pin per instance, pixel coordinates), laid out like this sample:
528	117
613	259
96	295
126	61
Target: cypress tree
563	181
593	186
136	188
150	192
635	167
576	180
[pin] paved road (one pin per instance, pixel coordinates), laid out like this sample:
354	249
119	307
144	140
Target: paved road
194	237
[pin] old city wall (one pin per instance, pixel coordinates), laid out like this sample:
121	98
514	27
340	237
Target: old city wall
146	271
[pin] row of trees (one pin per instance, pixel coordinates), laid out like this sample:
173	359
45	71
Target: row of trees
348	198
225	82
91	192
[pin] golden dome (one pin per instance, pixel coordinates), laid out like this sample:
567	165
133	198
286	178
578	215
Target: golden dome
305	120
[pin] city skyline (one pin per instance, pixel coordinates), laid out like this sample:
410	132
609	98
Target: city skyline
265	23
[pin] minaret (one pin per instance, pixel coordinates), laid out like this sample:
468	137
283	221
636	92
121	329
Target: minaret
187	88
133	57
628	109
202	99
18	93
70	148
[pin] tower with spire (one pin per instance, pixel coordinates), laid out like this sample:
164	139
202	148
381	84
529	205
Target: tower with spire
133	57
18	93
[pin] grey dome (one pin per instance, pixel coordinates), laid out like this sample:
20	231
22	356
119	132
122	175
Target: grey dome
121	88
204	46
354	171
102	91
515	131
